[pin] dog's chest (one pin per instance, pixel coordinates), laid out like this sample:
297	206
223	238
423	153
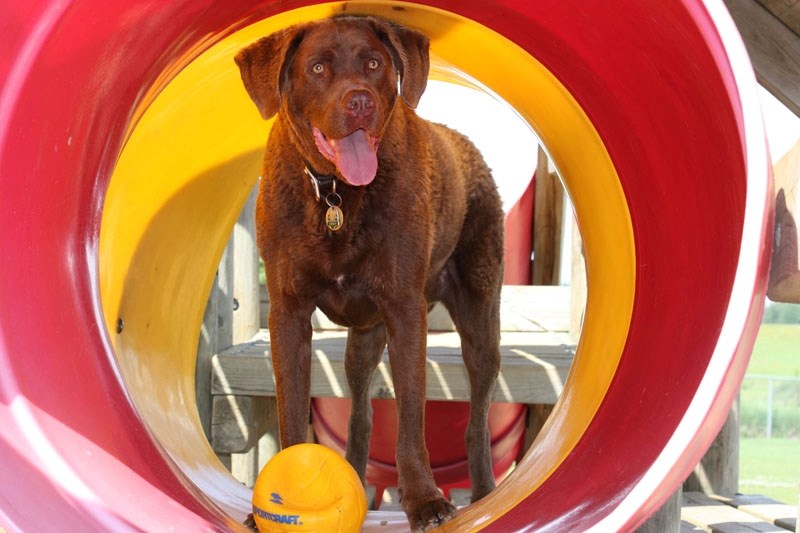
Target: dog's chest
348	302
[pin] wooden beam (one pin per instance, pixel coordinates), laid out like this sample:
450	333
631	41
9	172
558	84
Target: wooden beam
774	50
788	11
668	518
534	368
712	515
767	509
239	421
535	347
547	212
784	277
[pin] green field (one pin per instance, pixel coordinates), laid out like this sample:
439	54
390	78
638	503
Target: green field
777	351
772	466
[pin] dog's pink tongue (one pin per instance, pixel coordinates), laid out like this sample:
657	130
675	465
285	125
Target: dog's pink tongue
356	158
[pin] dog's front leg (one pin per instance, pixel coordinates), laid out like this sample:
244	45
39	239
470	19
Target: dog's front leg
407	335
364	350
290	340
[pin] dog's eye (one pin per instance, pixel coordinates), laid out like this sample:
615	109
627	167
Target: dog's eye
373	64
318	68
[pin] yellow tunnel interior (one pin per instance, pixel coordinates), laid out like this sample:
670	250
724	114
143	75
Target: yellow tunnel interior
193	157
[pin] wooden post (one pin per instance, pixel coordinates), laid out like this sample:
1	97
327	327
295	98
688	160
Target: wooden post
547	237
216	334
667	519
784	277
245	303
231	317
718	471
538	413
773	45
246	293
548	202
577	285
772	37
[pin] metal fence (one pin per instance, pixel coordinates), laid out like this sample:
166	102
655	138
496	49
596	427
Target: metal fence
770	406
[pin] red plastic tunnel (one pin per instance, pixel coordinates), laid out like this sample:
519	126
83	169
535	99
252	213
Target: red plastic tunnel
669	92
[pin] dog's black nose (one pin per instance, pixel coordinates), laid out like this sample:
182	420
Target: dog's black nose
359	104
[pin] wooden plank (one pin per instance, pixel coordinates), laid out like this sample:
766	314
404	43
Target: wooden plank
538	413
774	50
390	500
686	527
239	421
535	365
548	208
439	319
371	492
784	276
522	308
232	316
535	308
767	509
788	11
578	291
246	294
667	518
216	334
460	497
702	512
534	368
712	515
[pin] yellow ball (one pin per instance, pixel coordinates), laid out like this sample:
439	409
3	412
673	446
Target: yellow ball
308	487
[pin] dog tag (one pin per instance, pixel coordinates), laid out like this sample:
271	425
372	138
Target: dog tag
334	218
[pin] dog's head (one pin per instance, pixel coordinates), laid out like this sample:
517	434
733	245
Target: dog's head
337	82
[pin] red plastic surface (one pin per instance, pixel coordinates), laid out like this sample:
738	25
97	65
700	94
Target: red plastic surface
445	424
518	241
653	78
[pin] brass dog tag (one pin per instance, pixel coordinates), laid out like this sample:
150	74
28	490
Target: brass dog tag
334	218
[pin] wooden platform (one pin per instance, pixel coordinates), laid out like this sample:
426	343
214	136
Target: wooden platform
741	514
734	515
537	352
534	368
536	355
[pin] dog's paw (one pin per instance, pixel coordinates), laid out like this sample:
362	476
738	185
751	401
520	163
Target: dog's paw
250	523
426	514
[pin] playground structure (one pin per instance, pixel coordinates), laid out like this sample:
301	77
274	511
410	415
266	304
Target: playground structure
125	158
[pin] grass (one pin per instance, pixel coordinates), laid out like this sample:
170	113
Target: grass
777	351
771	466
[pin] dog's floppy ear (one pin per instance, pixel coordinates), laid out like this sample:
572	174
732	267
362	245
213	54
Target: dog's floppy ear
409	50
263	66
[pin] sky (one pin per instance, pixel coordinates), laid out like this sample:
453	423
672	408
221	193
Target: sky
506	141
783	126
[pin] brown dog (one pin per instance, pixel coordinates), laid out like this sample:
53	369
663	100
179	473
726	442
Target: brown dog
373	214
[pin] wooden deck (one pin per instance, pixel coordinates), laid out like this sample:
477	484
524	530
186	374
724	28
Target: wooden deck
699	512
734	515
535	367
536	351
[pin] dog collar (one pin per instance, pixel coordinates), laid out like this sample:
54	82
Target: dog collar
320	184
334	218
